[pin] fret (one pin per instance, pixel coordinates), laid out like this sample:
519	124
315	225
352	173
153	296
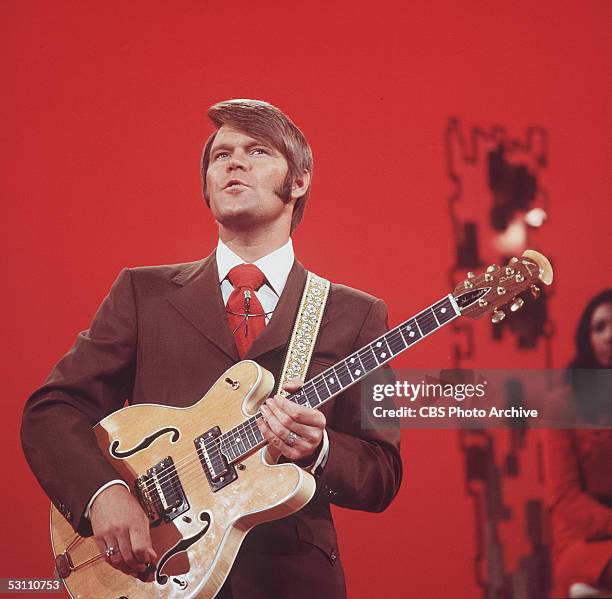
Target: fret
322	390
331	380
410	331
444	311
381	350
426	322
395	341
238	438
241	448
355	366
250	434
223	448
311	394
255	432
344	375
416	324
368	359
299	397
228	450
321	382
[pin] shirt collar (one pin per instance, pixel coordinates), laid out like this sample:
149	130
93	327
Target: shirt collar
275	266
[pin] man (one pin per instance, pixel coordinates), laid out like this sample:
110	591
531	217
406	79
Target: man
165	334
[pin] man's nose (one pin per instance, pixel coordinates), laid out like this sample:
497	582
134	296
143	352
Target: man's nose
238	160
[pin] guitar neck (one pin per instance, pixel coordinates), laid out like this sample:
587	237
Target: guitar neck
244	438
329	383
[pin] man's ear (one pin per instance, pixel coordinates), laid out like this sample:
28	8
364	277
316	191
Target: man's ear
300	185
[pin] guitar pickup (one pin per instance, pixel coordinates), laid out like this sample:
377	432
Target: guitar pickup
218	471
160	492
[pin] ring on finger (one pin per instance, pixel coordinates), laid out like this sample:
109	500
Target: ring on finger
291	437
111	551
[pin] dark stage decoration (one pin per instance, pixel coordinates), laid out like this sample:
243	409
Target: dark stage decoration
497	203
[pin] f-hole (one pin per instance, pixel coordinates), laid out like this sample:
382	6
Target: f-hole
182	545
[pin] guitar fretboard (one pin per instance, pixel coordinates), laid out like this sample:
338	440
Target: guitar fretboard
244	438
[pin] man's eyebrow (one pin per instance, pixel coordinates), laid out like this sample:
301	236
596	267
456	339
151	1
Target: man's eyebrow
221	147
251	144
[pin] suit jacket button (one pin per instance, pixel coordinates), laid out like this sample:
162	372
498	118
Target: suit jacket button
333	556
68	515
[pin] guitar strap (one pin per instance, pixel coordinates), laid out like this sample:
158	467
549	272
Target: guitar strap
305	330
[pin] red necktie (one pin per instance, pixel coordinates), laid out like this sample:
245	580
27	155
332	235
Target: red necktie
245	313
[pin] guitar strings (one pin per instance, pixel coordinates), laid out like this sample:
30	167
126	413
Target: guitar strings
187	464
182	467
191	464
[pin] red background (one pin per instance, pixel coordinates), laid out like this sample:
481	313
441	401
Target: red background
105	116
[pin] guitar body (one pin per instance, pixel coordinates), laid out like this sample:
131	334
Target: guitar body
196	547
201	474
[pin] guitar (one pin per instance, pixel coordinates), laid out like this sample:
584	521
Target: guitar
202	474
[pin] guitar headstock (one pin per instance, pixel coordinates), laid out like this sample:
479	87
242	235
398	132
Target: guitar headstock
501	285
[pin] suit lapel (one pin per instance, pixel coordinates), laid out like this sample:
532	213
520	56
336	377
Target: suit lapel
278	331
198	299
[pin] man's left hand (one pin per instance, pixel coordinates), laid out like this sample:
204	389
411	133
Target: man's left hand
294	430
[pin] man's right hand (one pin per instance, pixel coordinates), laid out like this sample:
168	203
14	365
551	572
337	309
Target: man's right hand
119	522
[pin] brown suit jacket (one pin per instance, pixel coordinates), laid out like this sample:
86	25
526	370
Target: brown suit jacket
161	336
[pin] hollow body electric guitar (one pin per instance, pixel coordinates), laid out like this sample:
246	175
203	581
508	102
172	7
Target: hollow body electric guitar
201	473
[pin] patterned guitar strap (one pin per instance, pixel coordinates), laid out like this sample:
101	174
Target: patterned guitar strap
305	330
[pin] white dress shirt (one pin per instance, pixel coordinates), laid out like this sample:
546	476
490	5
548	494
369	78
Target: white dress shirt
276	267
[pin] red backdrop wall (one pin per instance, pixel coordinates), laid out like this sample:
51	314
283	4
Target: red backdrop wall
105	116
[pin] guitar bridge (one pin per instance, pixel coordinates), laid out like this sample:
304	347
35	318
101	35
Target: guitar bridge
218	471
160	492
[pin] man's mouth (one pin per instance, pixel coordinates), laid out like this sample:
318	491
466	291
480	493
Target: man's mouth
233	183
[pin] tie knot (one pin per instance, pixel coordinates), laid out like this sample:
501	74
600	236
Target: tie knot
246	275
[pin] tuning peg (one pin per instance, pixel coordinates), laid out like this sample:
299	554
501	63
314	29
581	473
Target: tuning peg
514	260
468	284
488	277
517	304
519	278
498	316
501	291
509	270
471	275
483	302
491	267
535	291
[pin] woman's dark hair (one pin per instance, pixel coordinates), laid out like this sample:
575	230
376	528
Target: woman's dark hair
591	389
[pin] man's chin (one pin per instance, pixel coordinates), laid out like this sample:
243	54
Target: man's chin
242	218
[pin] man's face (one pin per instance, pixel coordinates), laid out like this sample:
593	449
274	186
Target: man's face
244	179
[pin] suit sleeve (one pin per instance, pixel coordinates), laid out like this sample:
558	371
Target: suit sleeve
363	469
91	381
567	499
